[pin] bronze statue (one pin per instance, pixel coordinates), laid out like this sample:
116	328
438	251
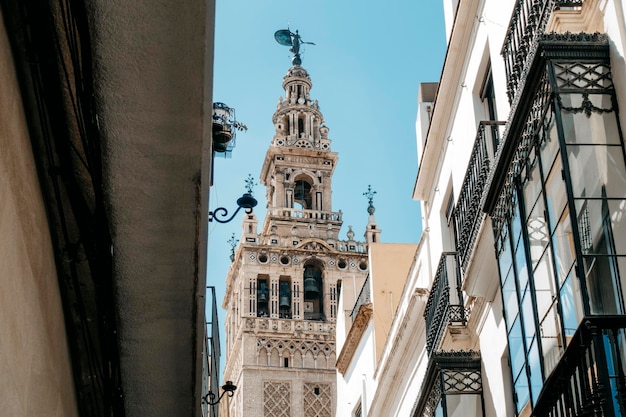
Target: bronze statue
288	38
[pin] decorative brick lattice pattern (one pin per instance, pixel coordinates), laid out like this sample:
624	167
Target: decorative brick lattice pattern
276	399
317	400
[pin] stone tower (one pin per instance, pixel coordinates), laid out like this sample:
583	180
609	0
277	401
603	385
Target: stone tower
284	285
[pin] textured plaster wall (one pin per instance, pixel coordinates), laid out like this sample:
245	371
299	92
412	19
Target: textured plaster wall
390	263
153	75
35	373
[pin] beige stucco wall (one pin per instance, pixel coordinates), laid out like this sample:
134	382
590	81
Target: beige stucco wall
389	267
35	373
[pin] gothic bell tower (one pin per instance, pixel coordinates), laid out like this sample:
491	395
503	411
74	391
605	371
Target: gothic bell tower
284	285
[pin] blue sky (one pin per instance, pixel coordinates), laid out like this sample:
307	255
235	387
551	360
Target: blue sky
368	60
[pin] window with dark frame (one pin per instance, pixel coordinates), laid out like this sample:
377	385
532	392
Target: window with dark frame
560	231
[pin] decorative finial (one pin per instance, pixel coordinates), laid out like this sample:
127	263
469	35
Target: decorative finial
250	184
233	244
350	233
370	199
288	38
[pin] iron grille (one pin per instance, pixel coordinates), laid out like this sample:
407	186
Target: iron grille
589	378
529	20
467	213
364	298
443	306
448	373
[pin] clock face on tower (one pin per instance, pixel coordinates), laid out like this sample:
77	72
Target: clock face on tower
301	100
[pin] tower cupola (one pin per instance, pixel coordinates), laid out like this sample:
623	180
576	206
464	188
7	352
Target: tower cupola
298	120
299	163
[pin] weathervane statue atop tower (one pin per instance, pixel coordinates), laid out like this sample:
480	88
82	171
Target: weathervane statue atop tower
288	38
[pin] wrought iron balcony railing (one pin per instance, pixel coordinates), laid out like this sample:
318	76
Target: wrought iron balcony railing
589	378
445	301
467	212
363	298
212	355
450	374
529	20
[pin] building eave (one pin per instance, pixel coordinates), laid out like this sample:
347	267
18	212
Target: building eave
353	338
446	98
153	88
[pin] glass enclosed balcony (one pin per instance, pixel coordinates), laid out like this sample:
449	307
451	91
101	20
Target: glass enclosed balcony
559	225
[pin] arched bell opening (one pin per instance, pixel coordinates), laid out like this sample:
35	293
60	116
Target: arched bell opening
303	193
284	298
286	127
313	292
301	126
262	296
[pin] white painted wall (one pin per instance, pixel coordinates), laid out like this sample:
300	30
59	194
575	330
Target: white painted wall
357	385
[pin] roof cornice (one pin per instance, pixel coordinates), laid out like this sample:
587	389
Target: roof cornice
357	330
446	98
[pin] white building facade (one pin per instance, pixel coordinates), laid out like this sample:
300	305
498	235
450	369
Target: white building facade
523	253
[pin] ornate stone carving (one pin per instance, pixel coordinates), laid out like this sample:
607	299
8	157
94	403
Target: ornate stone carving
276	399
317	400
312	349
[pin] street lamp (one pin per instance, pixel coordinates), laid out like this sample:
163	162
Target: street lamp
246	201
227	388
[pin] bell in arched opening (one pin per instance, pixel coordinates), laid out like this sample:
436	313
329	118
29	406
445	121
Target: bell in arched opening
284	302
285	295
262	292
302	194
311	289
312	277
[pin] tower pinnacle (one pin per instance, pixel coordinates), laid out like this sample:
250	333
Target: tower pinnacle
370	199
372	232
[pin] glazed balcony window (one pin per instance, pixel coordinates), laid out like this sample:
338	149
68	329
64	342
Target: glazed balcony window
559	222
